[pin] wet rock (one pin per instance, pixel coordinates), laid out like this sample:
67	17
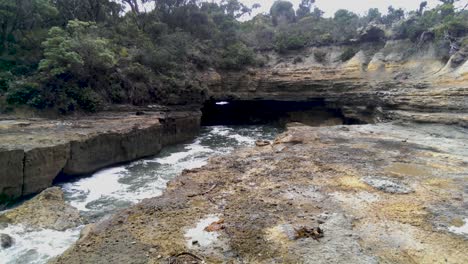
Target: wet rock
215	226
185	257
289	139
47	210
6	241
86	232
262	143
308	232
387	185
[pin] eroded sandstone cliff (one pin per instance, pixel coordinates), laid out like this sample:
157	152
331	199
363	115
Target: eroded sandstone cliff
397	80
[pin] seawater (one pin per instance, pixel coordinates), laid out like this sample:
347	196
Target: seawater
109	190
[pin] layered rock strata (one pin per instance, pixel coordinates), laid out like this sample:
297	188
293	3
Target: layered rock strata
391	81
34	151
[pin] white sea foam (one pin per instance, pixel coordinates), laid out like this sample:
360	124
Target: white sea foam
118	187
461	230
104	183
197	236
36	247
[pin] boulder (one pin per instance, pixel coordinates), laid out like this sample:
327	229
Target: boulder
6	241
47	210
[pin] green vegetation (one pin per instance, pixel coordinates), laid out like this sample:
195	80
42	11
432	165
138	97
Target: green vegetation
320	56
72	55
348	54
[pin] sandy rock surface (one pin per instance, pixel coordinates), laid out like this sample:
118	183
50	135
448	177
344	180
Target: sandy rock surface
384	193
47	210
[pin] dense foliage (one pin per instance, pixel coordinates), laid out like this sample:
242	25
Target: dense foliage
80	55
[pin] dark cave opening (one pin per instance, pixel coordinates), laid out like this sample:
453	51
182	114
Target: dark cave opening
256	112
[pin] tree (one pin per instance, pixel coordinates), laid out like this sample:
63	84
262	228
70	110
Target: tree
393	15
448	2
282	12
87	10
304	8
346	24
373	15
22	15
317	13
59	53
422	6
75	51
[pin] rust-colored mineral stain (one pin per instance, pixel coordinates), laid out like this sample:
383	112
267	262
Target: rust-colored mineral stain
215	226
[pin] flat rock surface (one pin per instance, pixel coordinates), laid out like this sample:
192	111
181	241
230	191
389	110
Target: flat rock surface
29	133
316	195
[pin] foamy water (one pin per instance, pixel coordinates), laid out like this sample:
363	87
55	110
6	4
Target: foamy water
199	235
36	246
112	189
461	230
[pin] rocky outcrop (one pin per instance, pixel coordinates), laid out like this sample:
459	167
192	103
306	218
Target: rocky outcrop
47	210
42	165
6	241
383	193
34	151
11	174
388	81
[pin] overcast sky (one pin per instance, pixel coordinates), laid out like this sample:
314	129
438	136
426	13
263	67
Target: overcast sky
330	6
357	6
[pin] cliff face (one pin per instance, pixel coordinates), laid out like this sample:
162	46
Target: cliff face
380	82
33	152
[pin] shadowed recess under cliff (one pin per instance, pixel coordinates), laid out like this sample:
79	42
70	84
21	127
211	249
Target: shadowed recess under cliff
314	113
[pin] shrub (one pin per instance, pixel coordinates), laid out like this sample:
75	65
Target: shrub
5	79
88	100
348	54
298	60
26	93
285	42
237	56
320	56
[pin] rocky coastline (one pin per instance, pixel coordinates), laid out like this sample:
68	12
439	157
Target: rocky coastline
33	152
389	190
385	193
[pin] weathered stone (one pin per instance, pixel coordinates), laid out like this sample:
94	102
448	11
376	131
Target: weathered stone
46	210
6	241
32	156
372	32
42	165
369	88
11	173
262	143
265	196
387	185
